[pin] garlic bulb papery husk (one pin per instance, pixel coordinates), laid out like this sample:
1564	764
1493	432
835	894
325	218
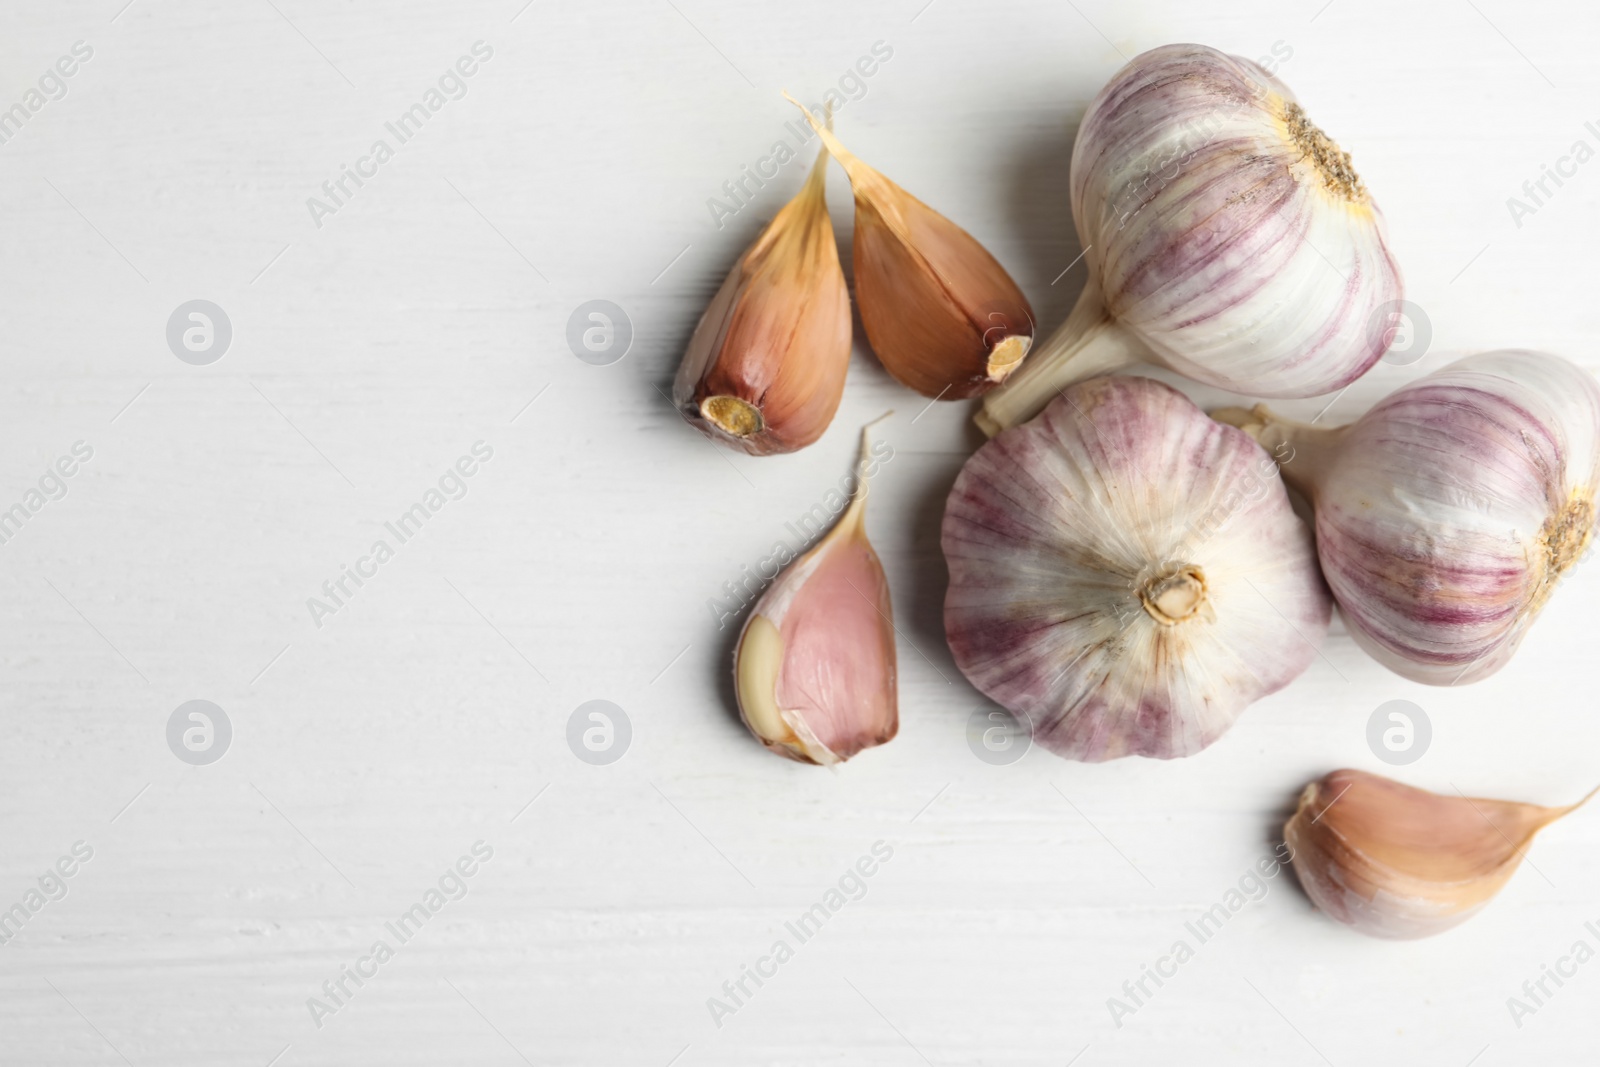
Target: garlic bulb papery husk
815	667
1447	515
941	313
1125	578
1226	237
766	366
1398	862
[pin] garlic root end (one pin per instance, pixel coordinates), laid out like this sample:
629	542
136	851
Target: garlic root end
734	417
1007	356
1089	344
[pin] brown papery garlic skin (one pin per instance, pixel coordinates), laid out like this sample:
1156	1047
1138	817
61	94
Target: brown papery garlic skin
1397	862
941	313
766	366
815	670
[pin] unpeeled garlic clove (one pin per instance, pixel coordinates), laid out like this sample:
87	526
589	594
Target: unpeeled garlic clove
1398	862
941	313
815	668
766	366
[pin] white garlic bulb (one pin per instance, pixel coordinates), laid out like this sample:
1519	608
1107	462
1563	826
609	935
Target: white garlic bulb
1127	575
1447	515
1398	862
1226	236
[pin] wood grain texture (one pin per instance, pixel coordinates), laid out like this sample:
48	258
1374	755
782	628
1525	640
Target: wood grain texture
371	752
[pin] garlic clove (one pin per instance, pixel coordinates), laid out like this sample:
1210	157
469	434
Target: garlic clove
1226	237
1448	514
1394	861
765	368
815	667
941	313
1124	578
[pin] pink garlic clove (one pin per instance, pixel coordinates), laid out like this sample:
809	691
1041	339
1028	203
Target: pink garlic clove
1393	861
815	667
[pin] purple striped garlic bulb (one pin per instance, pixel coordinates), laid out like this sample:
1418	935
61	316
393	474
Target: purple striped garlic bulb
1447	514
1126	575
1227	237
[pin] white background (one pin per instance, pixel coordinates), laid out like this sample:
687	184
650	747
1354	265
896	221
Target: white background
369	353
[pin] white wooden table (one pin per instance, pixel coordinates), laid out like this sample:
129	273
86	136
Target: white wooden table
373	745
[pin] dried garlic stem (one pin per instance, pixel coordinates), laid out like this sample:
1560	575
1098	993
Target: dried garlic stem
1090	343
1302	451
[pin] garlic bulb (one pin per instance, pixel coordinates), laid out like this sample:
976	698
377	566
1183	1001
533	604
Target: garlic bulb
1447	515
815	667
766	366
1127	575
1398	862
941	313
1227	237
